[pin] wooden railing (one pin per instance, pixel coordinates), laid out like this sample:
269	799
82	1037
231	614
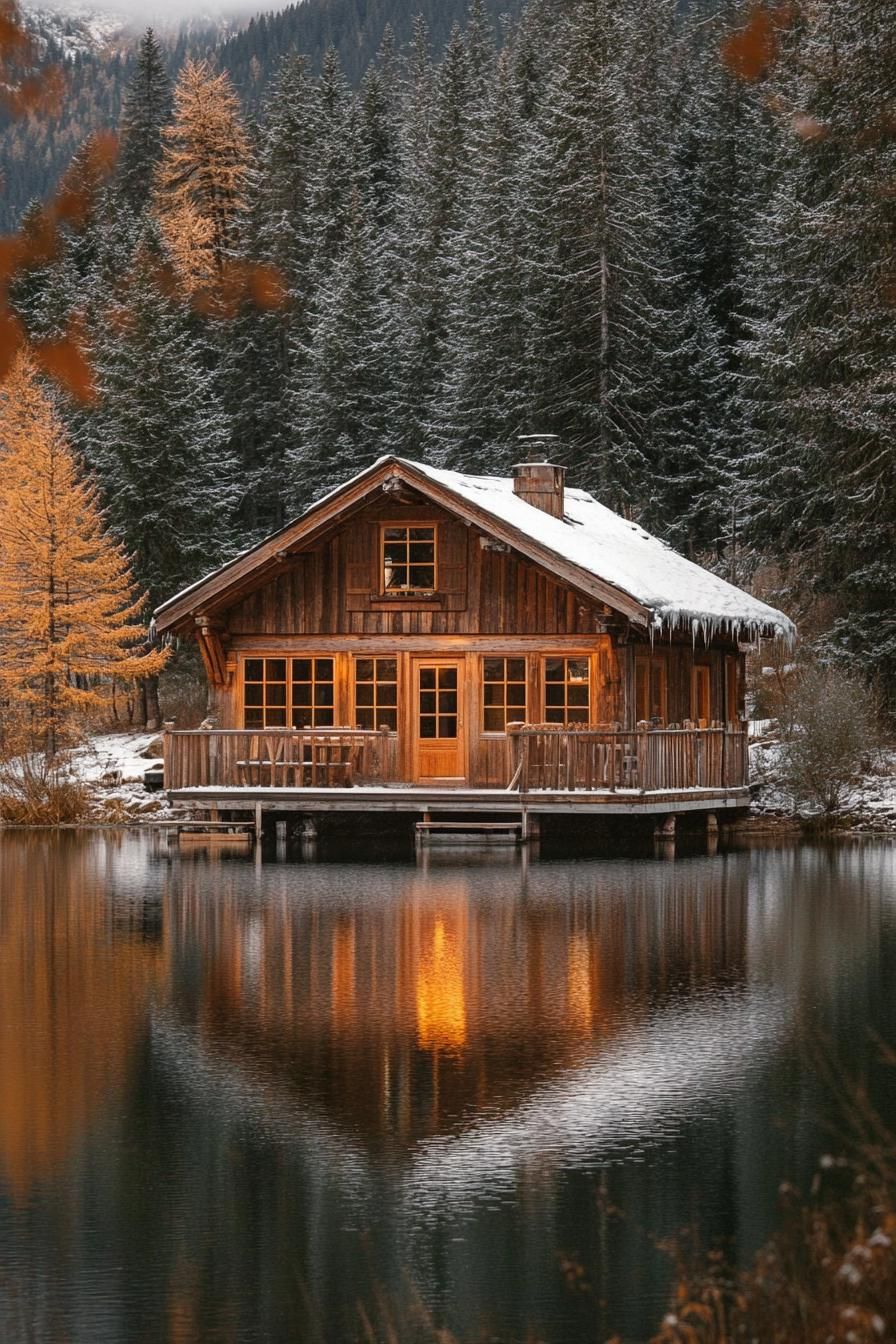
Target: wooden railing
278	757
564	758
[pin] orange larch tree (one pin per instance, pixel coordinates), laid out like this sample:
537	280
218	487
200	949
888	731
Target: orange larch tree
202	178
69	612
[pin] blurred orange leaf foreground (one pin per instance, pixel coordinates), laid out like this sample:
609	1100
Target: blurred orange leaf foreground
750	51
68	608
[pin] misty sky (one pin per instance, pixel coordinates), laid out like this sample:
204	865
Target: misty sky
158	12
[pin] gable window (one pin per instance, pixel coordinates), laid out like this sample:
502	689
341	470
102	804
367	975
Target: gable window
503	693
567	690
650	689
408	559
288	693
376	693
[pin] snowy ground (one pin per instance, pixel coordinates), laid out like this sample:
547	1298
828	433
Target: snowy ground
115	763
871	805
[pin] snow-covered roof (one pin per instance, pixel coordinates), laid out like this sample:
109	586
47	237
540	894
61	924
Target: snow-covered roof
676	592
672	592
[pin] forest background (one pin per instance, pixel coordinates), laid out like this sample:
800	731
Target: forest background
664	233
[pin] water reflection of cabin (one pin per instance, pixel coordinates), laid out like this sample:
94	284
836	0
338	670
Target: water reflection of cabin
471	639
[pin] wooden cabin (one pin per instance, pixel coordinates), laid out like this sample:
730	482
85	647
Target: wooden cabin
420	629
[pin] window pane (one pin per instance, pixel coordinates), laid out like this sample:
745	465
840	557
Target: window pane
493	694
323	669
553	695
254	669
386	669
427	678
387	694
577	716
396	576
554	669
395	533
516	669
364	718
421	576
422	533
555	715
447	702
516	696
276	693
276	718
254	718
577	695
323	718
364	693
493	721
422	553
427	726
448	726
301	694
493	669
323	693
387	718
363	669
577	669
255	694
448	677
301	718
301	669
427	702
275	669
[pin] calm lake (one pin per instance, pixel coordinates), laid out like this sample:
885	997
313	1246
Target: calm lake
293	1101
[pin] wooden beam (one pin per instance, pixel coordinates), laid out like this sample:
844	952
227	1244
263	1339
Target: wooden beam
212	651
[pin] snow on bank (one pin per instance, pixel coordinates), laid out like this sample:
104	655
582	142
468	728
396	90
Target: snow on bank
870	804
115	763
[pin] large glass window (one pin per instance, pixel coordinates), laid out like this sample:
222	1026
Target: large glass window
700	695
567	690
288	692
650	690
409	559
313	697
376	693
503	693
264	693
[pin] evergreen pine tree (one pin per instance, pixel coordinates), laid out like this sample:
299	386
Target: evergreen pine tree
147	110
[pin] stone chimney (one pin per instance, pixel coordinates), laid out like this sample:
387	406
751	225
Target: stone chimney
537	480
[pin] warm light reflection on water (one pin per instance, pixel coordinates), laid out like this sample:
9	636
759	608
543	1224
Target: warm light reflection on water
236	1100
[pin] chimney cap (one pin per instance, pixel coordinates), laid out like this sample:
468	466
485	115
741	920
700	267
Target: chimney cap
538	445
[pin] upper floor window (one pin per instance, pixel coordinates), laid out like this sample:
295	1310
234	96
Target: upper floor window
408	559
503	693
567	690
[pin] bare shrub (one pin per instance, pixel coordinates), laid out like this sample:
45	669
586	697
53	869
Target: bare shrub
830	728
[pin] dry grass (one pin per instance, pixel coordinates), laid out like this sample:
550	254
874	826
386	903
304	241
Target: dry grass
828	1276
33	793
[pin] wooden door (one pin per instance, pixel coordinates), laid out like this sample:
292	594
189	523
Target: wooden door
438	720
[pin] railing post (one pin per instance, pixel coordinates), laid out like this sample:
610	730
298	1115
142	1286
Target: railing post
167	763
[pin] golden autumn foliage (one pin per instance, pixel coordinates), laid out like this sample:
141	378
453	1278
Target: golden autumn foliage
69	614
202	176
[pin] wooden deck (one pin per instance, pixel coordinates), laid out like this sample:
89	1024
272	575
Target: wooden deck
500	802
